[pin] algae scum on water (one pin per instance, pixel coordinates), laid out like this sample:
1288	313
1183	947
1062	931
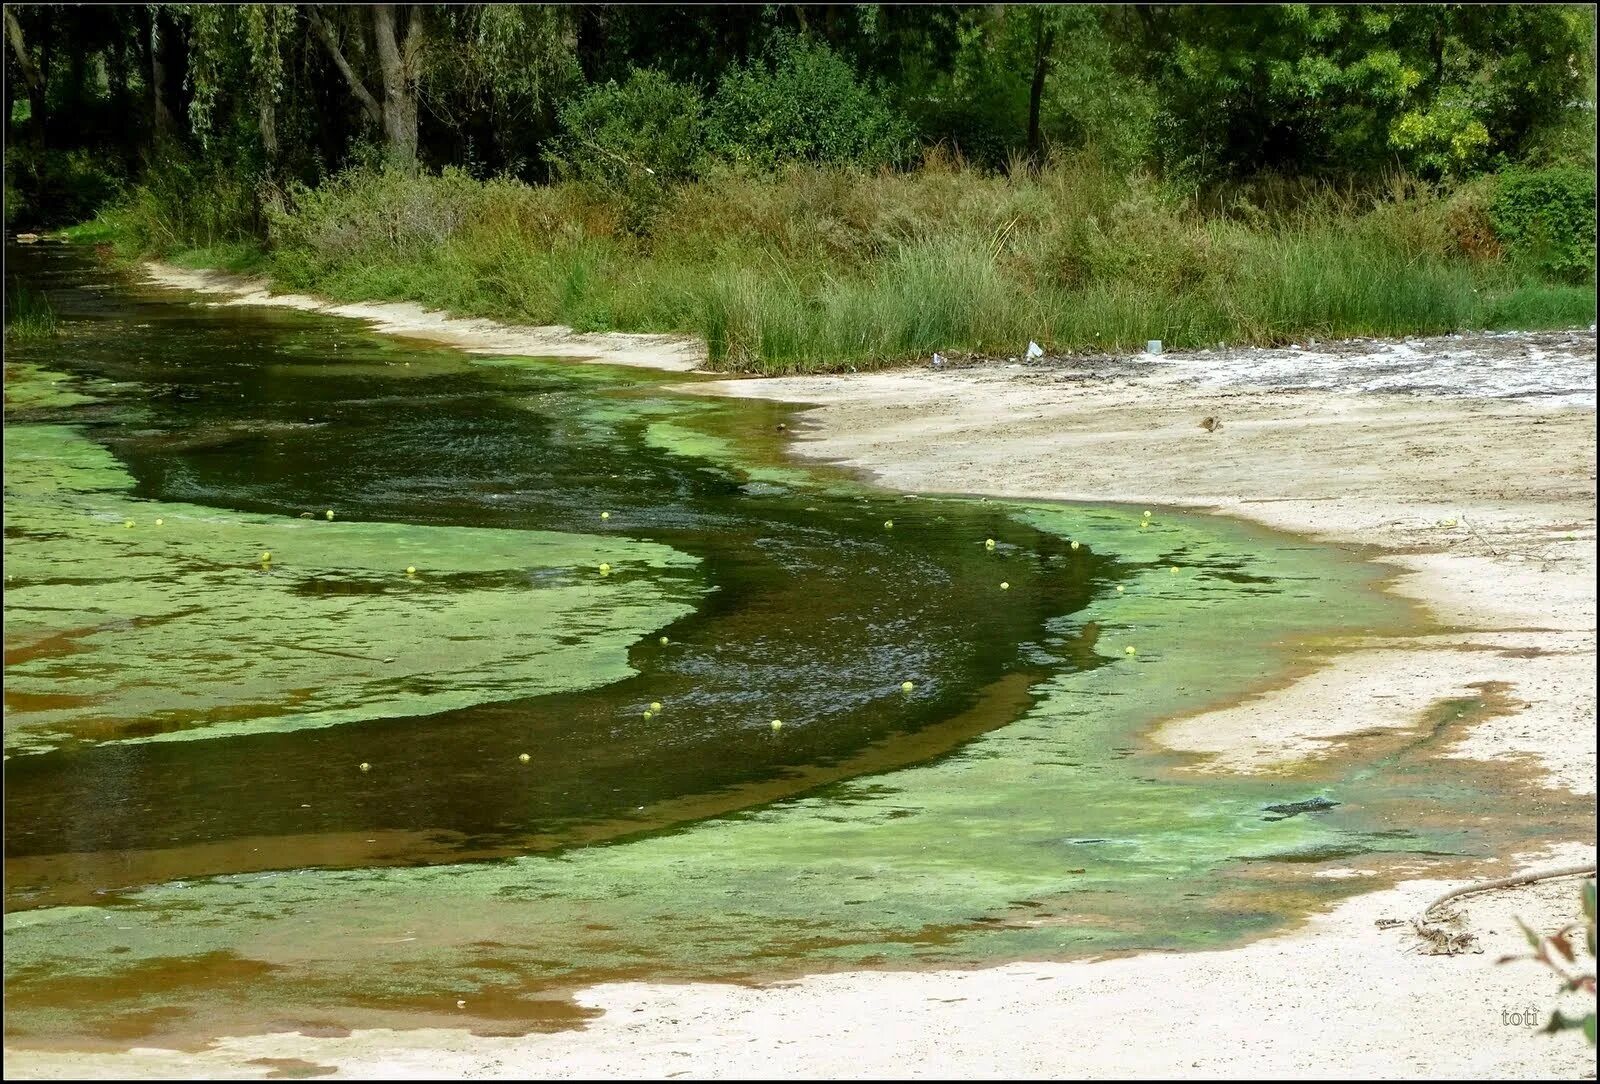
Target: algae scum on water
509	719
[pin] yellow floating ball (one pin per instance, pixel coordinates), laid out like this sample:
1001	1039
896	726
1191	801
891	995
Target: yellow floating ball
127	523
1173	570
159	522
906	686
1130	650
1004	586
605	515
988	543
524	758
665	641
329	513
1147	513
655	706
1074	543
647	715
266	555
888	523
777	724
365	766
1119	589
605	570
411	570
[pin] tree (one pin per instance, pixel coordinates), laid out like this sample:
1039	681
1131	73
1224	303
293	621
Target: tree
399	56
496	74
238	53
1445	89
31	78
804	104
1043	24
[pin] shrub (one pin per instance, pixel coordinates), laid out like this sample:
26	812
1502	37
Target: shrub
1468	223
635	139
188	203
1546	220
808	106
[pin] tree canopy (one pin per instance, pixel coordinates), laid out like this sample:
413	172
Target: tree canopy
1201	93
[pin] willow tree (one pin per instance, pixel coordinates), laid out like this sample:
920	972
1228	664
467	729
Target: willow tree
389	38
496	73
32	78
238	52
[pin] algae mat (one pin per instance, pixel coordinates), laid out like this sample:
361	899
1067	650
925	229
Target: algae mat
186	623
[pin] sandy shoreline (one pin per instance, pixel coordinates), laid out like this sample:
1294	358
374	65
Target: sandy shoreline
1484	506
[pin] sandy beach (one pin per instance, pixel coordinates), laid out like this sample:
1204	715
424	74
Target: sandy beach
1467	465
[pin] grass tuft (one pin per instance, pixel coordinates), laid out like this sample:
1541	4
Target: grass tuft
28	314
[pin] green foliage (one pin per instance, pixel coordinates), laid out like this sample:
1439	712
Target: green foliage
976	107
510	60
51	187
1445	89
1210	173
496	75
1205	94
186	202
637	138
805	105
827	267
236	57
1546	219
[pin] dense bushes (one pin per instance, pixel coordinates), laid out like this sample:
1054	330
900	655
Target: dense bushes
55	187
806	105
1546	220
186	203
648	127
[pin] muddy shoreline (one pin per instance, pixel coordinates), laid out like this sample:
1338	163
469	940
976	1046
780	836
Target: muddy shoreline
1484	506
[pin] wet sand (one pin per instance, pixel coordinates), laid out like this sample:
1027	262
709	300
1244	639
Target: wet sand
1483	502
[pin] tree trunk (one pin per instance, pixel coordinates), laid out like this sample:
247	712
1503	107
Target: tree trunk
397	62
31	78
1041	67
267	121
160	110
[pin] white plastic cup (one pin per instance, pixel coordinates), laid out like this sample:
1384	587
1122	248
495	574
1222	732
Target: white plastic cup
1153	346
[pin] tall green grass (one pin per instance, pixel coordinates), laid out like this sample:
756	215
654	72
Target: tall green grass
28	314
821	269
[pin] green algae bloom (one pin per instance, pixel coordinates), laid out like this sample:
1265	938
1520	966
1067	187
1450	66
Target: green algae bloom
165	637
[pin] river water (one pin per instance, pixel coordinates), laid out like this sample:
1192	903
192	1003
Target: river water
504	722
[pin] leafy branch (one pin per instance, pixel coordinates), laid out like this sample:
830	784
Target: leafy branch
1556	951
